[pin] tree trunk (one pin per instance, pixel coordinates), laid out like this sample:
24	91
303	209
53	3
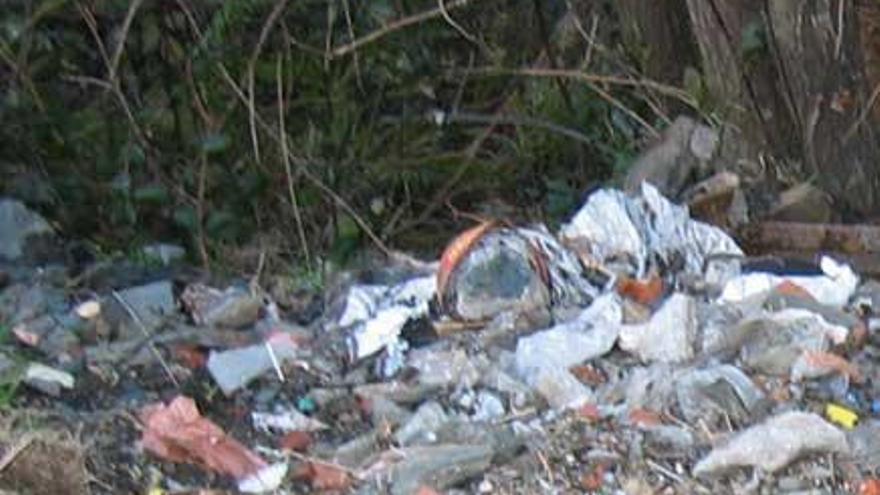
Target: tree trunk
792	76
658	32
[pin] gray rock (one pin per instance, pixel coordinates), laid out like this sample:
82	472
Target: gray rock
151	303
422	426
668	441
774	444
20	229
865	441
440	467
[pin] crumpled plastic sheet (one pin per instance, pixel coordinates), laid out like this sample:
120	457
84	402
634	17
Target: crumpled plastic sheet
177	432
567	283
668	336
377	313
590	335
834	288
638	229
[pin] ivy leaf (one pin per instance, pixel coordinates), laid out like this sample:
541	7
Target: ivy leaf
185	217
151	194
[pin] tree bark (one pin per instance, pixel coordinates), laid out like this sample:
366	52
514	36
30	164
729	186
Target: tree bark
659	32
794	77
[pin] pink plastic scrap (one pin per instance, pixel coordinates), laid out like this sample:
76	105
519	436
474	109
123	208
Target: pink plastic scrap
177	432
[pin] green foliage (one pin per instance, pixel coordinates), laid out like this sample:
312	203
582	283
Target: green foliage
173	150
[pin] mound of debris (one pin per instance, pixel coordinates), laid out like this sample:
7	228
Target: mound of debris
635	350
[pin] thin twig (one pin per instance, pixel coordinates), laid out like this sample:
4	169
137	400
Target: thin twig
15	450
664	471
285	156
252	63
577	75
123	35
6	55
200	212
137	320
863	116
394	26
441	4
355	58
517	120
317	182
114	81
623	108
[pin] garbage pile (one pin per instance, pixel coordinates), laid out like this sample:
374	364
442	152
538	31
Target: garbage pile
635	350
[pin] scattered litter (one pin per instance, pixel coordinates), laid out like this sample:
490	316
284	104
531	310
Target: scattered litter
377	314
178	433
236	368
668	337
834	288
608	356
842	416
631	232
774	444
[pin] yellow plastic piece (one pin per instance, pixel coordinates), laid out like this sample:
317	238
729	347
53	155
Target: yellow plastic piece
841	415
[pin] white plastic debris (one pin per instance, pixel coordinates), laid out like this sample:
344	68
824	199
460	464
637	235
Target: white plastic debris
635	231
235	368
43	373
290	420
834	288
265	480
377	314
590	335
668	336
721	391
774	444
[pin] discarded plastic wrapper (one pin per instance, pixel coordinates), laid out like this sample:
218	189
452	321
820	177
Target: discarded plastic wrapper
236	368
178	433
774	444
591	334
291	420
843	416
377	314
834	288
633	231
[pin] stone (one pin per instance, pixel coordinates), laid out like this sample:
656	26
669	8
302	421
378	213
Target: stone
774	444
21	229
